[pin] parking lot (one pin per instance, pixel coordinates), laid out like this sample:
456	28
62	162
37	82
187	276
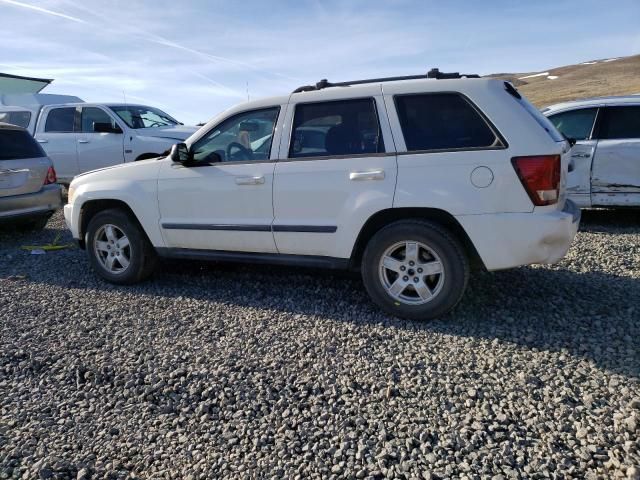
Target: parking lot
224	370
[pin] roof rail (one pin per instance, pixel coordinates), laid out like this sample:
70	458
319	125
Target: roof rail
433	73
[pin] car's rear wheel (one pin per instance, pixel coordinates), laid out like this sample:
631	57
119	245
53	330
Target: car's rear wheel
118	249
35	224
415	269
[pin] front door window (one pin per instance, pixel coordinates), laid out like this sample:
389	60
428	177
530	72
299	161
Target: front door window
244	137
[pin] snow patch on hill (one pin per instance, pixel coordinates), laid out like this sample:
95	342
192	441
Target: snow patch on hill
534	75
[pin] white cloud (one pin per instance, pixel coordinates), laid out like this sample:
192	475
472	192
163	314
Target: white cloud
42	10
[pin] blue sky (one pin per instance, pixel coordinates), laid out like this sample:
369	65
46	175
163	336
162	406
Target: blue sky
196	58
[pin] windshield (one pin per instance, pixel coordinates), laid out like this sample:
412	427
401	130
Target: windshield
20	118
137	116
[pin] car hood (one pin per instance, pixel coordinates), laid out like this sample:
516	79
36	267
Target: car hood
175	132
122	170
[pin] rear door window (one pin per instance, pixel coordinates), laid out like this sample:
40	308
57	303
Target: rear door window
18	144
576	124
443	121
60	120
336	128
619	123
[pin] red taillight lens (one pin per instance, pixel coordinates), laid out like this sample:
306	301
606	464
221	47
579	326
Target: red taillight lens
540	176
51	177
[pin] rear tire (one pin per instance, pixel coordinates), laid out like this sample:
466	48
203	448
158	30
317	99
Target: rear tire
35	224
118	248
415	269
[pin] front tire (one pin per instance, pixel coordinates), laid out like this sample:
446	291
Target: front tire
415	269
118	249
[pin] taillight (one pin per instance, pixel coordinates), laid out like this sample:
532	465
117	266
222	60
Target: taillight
51	177
540	176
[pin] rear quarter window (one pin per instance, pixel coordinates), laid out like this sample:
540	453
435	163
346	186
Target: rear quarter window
443	121
18	144
537	115
21	119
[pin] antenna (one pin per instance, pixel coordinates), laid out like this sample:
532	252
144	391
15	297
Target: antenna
248	97
124	97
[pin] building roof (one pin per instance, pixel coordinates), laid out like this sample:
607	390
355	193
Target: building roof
10	84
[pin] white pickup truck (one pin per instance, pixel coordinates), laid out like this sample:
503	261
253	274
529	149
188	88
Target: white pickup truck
79	137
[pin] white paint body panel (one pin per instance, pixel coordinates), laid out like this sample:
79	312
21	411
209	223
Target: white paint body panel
210	195
321	192
135	184
615	177
62	149
499	218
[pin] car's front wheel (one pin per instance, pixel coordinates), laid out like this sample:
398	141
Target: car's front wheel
415	269
118	249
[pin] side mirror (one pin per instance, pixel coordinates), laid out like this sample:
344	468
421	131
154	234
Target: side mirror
180	154
100	127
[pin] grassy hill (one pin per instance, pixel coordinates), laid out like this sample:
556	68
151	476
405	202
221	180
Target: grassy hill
615	76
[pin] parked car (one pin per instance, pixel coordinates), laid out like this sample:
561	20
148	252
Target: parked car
409	181
87	136
606	156
29	193
80	136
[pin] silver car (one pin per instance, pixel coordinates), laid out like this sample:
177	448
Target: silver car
606	156
29	193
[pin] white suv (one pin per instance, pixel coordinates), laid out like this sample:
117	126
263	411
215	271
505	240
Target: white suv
409	180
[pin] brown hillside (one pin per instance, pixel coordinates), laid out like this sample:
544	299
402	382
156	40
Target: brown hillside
616	77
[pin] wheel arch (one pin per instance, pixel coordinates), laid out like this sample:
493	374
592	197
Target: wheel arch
91	207
385	217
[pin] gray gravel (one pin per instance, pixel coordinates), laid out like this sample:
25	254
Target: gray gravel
231	371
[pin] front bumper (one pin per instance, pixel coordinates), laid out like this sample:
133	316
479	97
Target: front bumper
507	240
43	202
69	220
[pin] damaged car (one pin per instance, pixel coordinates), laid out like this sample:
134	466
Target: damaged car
605	170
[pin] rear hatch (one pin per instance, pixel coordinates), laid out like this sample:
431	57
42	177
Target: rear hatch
23	163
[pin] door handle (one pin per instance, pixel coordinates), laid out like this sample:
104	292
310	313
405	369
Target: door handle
371	175
259	180
83	141
41	140
581	155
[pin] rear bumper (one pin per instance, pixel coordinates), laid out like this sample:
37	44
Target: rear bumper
46	201
507	240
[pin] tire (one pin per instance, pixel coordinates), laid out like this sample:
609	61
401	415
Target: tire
387	270
119	261
35	224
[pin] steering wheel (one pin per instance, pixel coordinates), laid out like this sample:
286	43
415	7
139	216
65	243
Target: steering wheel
245	152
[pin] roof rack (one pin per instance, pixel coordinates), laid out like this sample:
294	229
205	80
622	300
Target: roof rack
433	73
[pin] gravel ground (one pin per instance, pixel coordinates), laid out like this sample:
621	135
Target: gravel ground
232	371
